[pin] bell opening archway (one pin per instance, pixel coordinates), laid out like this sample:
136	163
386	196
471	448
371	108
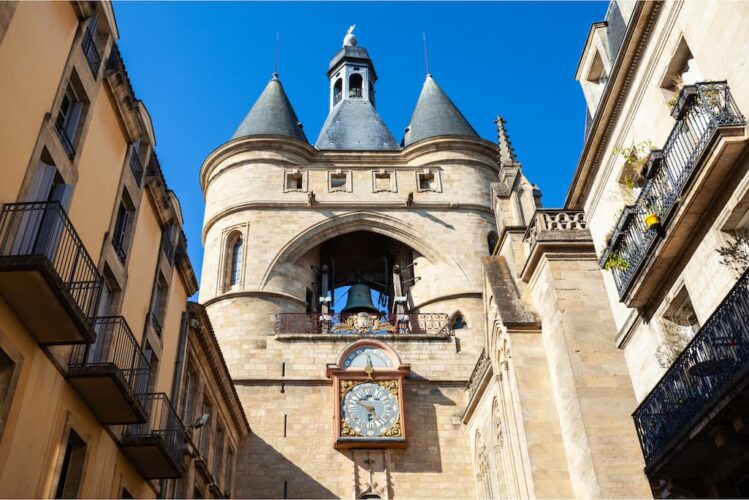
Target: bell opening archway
365	271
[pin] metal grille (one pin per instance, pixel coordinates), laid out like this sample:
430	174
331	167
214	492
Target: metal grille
88	44
701	110
115	345
43	229
701	374
162	422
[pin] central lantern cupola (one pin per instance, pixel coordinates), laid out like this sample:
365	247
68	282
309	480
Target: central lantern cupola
353	122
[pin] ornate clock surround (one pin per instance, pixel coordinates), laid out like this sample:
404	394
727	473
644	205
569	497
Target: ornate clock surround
346	378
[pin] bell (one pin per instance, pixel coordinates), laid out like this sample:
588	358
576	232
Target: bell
359	300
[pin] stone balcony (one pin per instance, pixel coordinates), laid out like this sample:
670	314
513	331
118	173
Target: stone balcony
318	325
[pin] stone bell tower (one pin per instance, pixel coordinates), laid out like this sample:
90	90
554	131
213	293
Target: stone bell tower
366	400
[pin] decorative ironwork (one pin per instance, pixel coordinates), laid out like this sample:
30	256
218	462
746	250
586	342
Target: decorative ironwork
43	229
115	345
117	242
136	167
364	324
163	422
702	109
555	220
156	324
88	44
701	374
65	139
168	247
483	364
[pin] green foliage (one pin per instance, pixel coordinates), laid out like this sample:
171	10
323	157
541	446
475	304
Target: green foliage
616	262
735	254
635	152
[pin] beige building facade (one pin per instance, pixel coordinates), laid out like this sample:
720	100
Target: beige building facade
94	277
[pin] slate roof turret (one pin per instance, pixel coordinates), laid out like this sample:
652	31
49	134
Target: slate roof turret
272	114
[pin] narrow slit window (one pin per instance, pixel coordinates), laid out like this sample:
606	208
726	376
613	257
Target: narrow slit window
236	262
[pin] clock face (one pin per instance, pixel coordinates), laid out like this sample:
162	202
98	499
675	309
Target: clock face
368	356
370	409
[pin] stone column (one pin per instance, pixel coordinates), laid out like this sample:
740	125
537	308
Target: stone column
590	383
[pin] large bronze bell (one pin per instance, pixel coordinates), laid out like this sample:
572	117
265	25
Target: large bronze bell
359	300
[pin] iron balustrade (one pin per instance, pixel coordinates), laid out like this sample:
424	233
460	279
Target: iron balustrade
117	243
700	111
88	44
168	247
163	422
704	371
136	167
43	229
156	324
364	324
65	140
115	345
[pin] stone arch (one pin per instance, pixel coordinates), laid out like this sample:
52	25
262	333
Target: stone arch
359	221
457	320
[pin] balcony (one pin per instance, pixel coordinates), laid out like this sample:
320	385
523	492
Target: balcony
136	167
65	140
706	384
110	373
704	144
45	267
477	376
156	446
88	44
364	324
168	248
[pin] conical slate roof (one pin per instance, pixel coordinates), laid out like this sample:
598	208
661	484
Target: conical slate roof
355	125
271	114
435	115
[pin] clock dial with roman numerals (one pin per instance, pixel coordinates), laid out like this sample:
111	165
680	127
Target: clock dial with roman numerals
370	409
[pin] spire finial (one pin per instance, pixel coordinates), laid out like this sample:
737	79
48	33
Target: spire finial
505	153
350	38
426	54
275	61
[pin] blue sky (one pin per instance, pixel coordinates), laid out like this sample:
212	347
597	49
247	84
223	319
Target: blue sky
199	67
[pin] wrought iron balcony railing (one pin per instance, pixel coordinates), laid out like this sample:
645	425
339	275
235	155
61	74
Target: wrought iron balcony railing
115	345
136	167
88	44
699	376
65	139
43	229
163	426
701	110
364	324
168	247
482	364
117	244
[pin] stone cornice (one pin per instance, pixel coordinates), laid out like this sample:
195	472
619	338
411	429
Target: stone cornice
342	205
369	159
208	343
623	72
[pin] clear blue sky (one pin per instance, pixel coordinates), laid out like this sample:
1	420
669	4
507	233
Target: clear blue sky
199	67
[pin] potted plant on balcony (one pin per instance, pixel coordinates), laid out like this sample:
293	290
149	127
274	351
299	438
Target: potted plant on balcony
615	262
651	218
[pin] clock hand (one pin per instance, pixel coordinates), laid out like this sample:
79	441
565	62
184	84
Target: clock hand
369	408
